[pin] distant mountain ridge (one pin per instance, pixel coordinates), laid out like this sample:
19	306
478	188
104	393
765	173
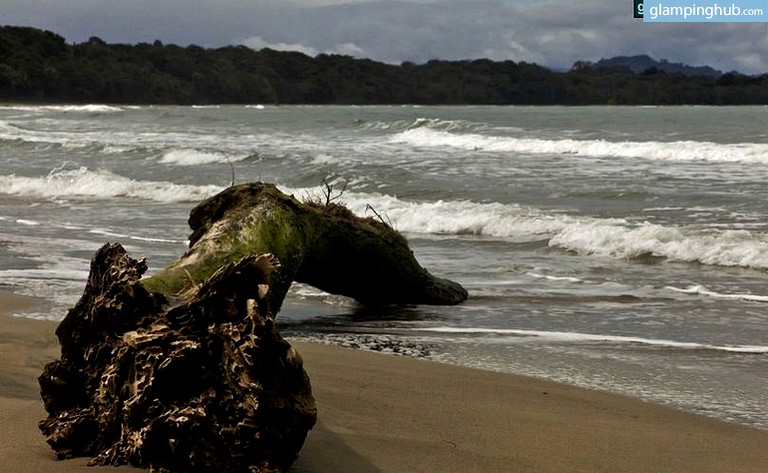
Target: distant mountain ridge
641	63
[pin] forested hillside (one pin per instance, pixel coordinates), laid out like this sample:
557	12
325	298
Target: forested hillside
39	66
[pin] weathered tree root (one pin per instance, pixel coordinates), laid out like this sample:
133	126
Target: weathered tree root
325	246
204	382
208	385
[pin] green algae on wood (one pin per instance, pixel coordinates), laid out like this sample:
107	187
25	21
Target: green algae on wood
325	246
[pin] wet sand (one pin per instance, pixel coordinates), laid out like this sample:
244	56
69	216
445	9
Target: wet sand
381	413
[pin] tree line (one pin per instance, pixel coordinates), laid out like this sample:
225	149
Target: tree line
39	66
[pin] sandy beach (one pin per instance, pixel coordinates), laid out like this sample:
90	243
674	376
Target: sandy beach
380	413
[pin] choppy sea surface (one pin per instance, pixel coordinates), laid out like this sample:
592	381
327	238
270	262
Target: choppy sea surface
618	248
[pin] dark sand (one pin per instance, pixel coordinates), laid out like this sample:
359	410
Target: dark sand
380	413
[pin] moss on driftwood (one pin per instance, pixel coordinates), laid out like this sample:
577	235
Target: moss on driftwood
325	246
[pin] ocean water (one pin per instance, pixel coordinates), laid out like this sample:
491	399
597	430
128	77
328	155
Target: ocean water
618	248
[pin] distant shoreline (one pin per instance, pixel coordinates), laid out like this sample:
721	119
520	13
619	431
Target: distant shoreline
44	68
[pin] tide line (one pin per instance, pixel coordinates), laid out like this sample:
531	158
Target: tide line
587	337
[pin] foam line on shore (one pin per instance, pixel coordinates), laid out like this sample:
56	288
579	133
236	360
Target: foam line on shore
577	337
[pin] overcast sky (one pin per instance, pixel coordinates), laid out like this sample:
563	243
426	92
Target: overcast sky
552	33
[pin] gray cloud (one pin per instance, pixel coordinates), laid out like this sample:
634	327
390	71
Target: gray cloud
554	33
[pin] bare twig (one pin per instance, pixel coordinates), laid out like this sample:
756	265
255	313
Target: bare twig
328	192
232	168
387	222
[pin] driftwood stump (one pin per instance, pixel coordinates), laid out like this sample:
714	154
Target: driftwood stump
325	246
207	385
185	371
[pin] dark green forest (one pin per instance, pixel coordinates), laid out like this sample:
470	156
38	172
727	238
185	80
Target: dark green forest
41	67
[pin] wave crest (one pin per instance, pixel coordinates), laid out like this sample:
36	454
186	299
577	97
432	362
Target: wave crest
602	237
82	182
754	153
195	157
89	108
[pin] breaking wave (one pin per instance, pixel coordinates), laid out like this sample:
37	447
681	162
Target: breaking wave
722	248
426	136
195	157
602	237
90	108
430	123
117	141
82	182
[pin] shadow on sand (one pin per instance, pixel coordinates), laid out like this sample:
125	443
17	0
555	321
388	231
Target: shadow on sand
326	452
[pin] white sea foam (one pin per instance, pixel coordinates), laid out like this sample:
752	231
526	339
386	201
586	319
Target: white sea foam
17	132
447	217
114	234
703	291
110	149
425	136
431	123
29	223
11	131
722	248
195	157
83	182
510	221
324	158
90	108
445	125
603	237
549	277
119	141
302	292
578	337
